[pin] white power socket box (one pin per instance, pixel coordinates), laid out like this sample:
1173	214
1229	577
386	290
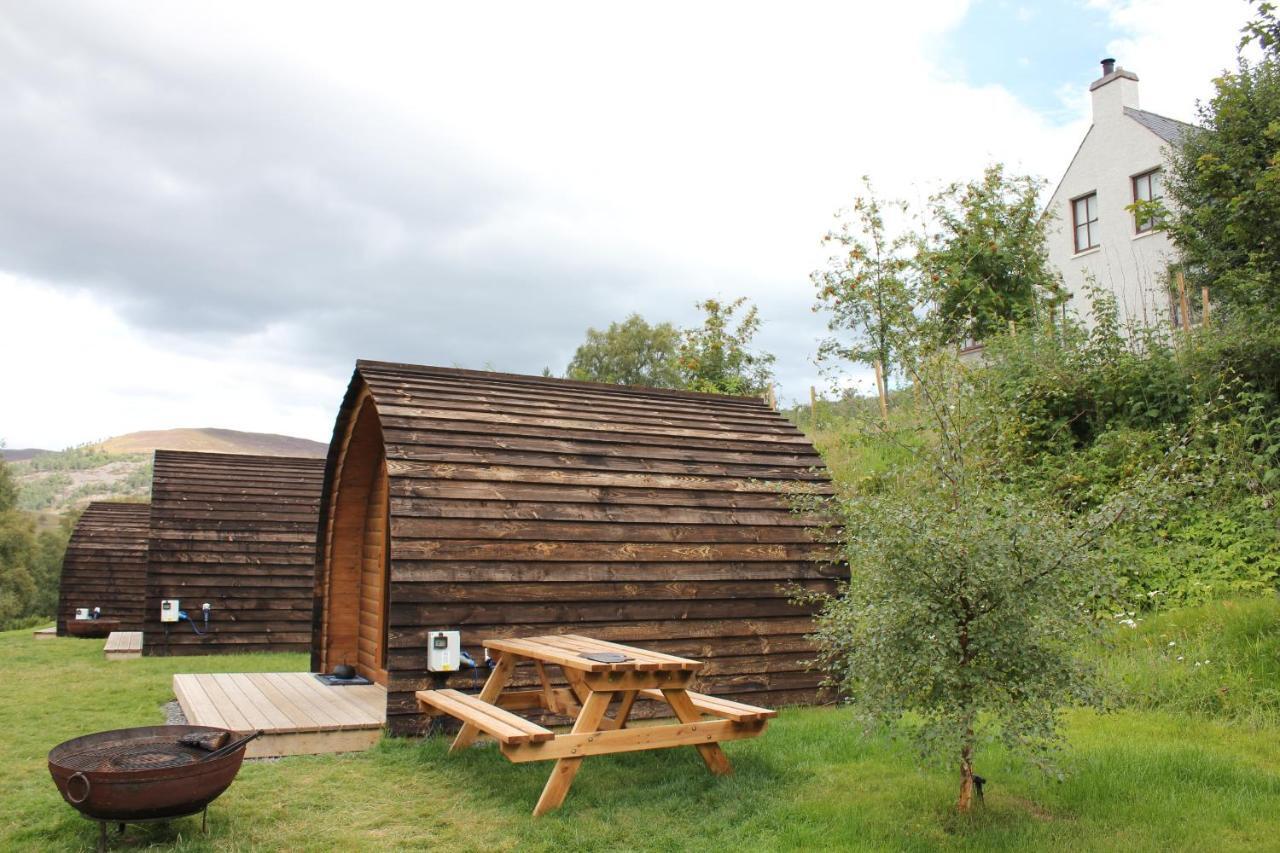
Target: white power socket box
82	613
169	610
444	651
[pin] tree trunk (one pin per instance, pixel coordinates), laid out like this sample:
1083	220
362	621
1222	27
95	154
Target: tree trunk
965	802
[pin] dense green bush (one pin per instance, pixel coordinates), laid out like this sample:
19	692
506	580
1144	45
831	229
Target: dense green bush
1081	416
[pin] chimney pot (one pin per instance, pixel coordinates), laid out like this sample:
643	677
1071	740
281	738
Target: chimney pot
1108	66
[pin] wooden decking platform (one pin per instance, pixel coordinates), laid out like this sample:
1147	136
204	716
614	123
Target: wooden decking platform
46	633
298	714
122	645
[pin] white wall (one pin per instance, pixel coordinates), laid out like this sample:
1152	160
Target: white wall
1133	266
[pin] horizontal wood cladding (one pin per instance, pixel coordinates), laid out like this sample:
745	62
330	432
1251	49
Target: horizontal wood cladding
106	564
527	505
238	532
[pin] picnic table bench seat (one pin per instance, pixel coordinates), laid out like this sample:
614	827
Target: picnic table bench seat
739	712
501	725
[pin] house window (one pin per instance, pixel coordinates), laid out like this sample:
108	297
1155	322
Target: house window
1149	186
1084	216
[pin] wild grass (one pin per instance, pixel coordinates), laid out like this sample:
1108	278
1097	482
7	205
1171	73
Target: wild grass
1136	779
1219	660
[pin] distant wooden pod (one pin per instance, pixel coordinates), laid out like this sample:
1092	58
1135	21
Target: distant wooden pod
238	532
506	505
105	565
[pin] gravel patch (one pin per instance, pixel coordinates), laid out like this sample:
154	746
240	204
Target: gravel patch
173	715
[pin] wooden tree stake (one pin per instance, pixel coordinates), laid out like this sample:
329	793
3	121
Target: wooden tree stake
1183	301
1204	305
884	401
813	405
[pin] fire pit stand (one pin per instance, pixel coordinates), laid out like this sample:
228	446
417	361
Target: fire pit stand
103	824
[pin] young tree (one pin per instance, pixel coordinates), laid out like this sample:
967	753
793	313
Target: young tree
984	263
967	599
630	353
867	287
717	356
1225	189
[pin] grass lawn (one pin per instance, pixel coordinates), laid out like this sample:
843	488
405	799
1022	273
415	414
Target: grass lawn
1135	780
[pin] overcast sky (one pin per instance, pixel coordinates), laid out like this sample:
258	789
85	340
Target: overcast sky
209	211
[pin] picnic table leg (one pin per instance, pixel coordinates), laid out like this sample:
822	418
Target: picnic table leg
717	762
505	665
624	711
566	768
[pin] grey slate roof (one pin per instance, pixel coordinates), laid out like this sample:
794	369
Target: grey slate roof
1169	129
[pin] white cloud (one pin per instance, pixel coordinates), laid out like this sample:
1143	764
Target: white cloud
76	372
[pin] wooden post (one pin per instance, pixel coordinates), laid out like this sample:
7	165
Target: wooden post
1204	305
772	399
813	405
1183	302
884	402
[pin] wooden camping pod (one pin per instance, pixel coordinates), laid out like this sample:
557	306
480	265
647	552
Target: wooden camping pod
504	505
238	532
105	565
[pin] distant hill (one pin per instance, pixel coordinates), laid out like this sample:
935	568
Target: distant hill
20	453
212	440
119	468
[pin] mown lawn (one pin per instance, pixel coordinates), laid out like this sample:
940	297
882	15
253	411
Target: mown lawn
1135	780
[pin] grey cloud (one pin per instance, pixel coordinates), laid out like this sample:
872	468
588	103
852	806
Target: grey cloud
213	196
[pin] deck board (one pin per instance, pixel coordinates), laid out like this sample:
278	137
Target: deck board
123	644
297	714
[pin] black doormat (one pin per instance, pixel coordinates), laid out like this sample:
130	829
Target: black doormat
334	681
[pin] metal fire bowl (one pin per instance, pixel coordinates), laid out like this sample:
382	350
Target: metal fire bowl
92	627
140	774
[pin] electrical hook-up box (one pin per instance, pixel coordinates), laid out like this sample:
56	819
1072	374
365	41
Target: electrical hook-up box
169	610
444	651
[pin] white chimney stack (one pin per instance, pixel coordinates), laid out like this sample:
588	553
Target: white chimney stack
1113	91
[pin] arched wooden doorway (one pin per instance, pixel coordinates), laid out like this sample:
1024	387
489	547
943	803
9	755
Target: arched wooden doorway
357	554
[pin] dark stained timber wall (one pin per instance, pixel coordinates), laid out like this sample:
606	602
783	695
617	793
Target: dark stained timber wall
106	564
239	533
508	505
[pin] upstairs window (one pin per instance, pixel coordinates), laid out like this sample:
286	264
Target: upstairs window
1084	217
1149	186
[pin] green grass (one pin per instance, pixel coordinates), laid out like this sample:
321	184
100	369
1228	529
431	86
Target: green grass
1135	780
1219	660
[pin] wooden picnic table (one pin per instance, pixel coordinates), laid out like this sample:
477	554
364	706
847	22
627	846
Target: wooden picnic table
597	673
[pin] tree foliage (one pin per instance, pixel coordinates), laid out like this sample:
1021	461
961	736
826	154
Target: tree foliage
868	289
632	352
718	358
982	260
1264	29
30	562
970	262
1225	188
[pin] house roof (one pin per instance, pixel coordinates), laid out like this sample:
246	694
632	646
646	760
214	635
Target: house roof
1169	129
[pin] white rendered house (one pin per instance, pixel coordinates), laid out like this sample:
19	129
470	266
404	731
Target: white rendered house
1092	236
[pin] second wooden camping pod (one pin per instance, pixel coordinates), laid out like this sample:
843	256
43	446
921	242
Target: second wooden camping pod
236	532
